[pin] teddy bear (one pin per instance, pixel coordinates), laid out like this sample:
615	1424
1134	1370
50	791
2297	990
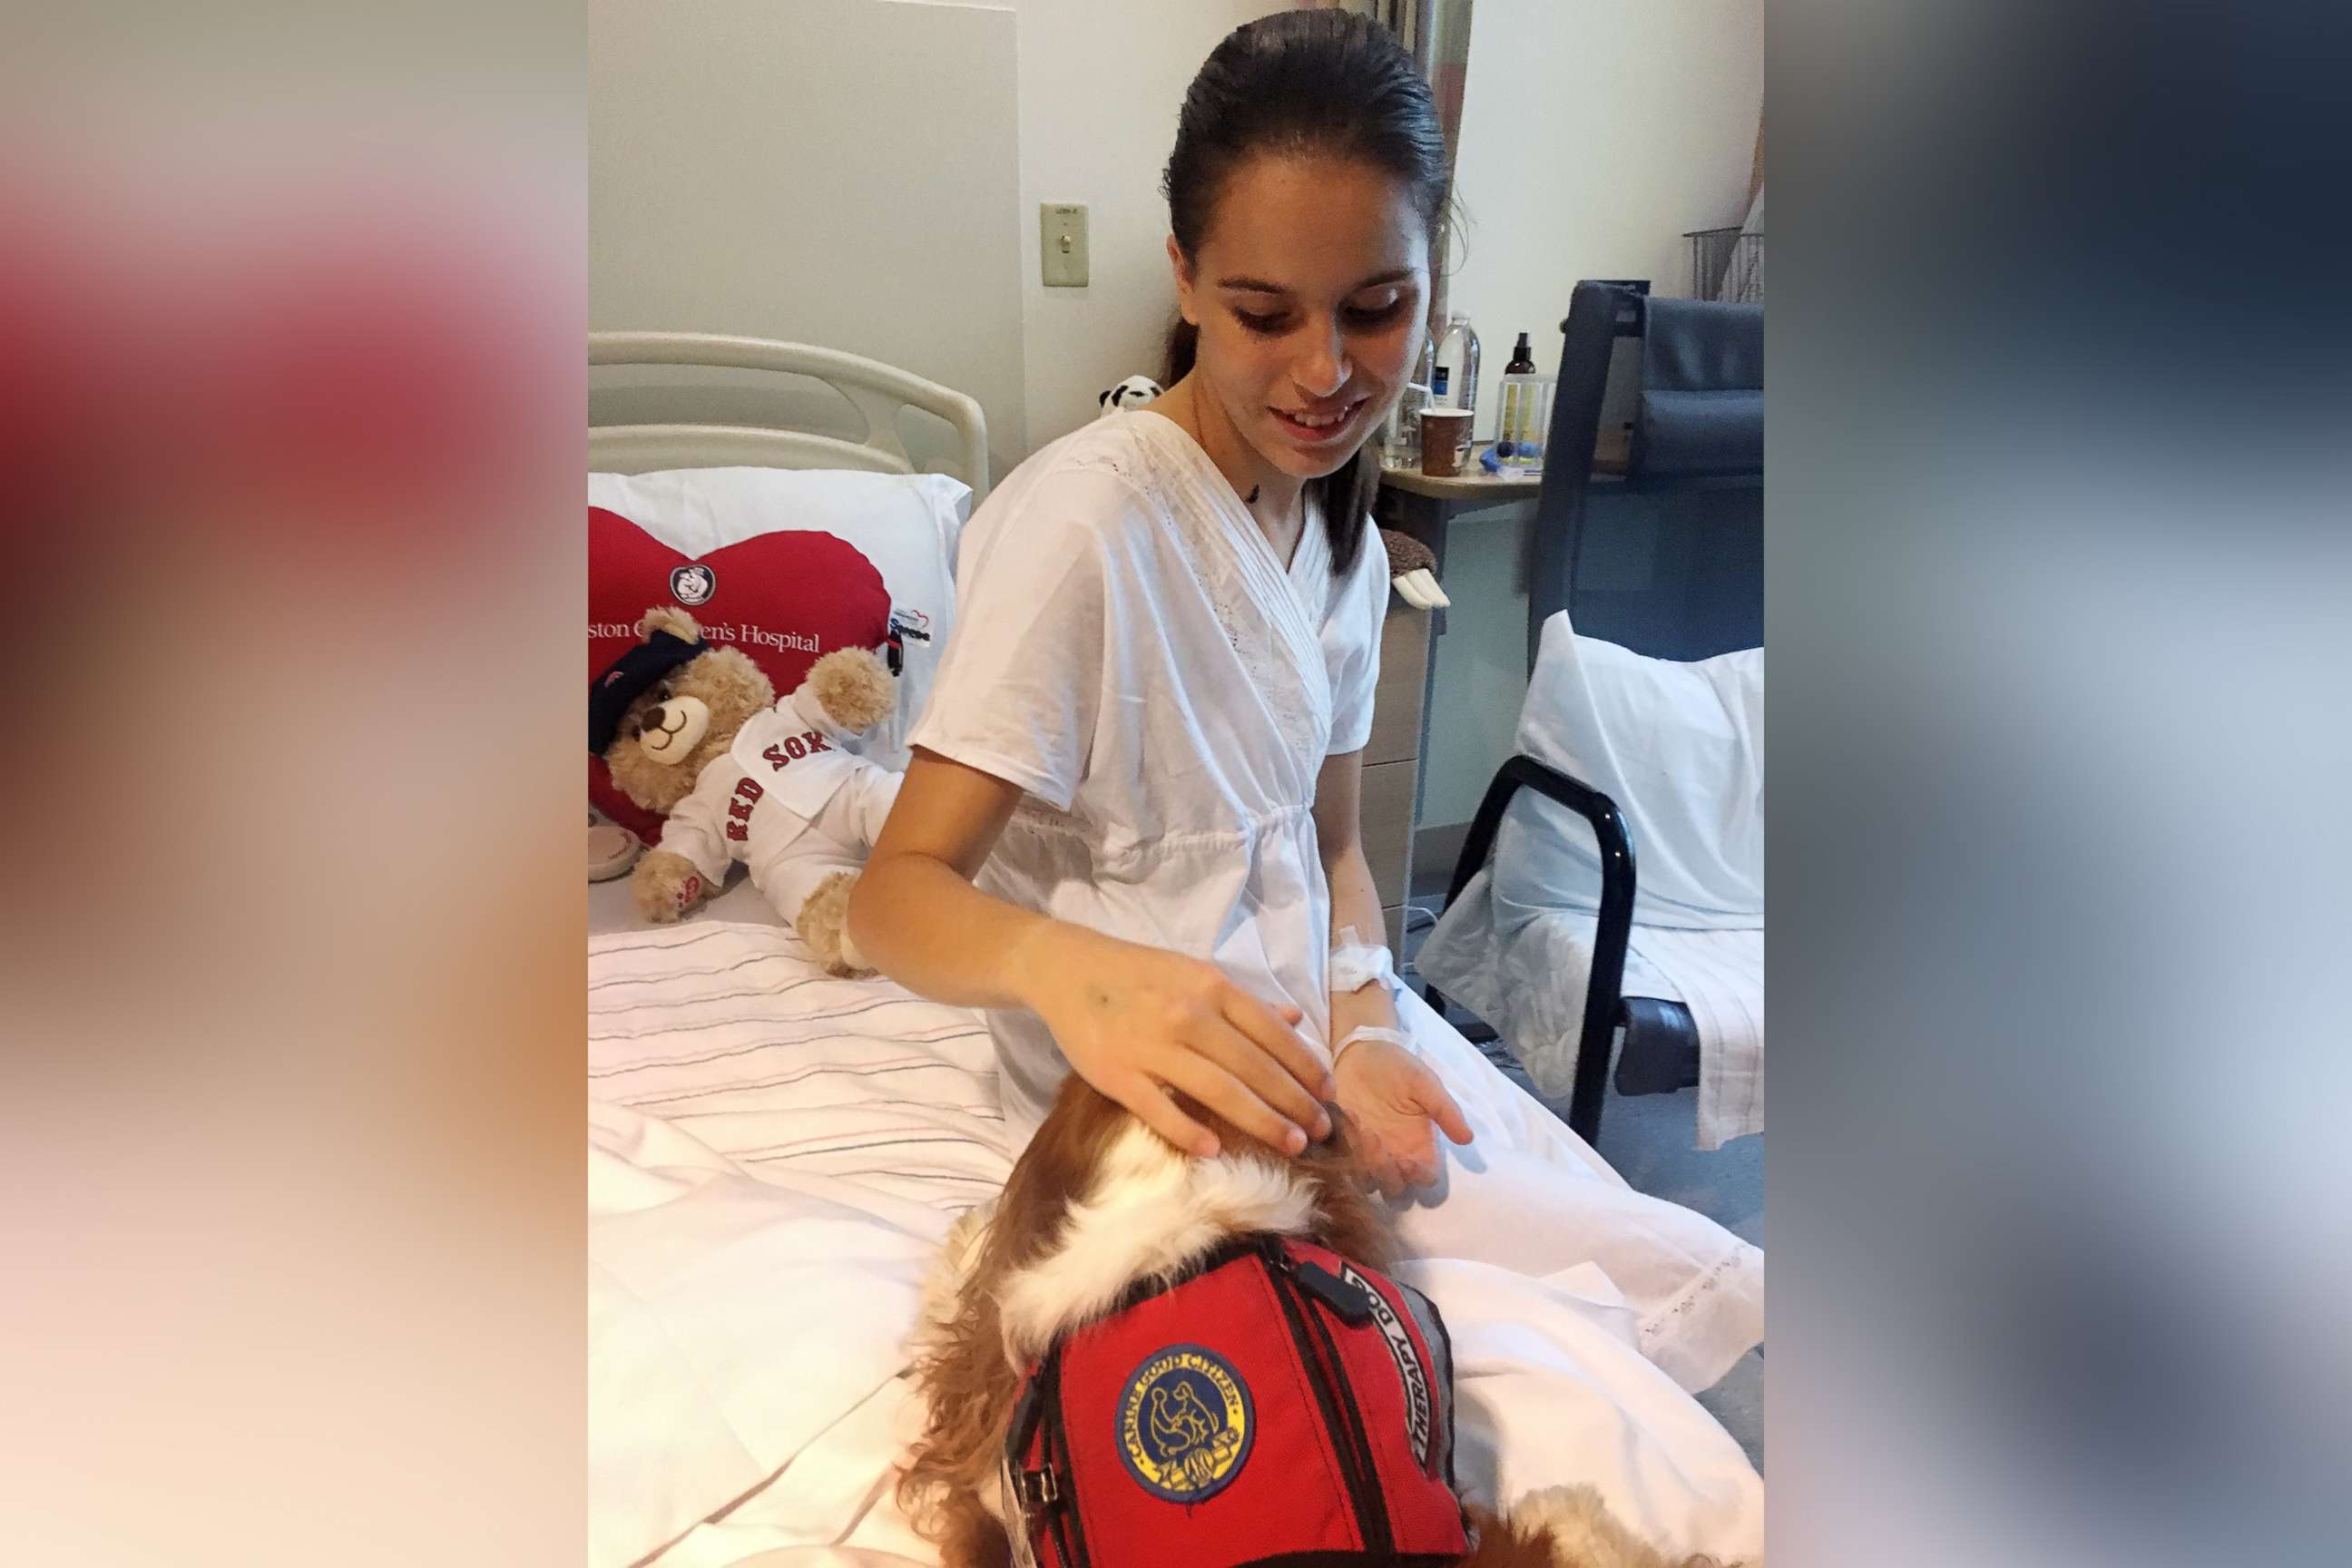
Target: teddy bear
695	733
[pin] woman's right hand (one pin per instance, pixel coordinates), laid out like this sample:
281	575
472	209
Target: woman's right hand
1137	1021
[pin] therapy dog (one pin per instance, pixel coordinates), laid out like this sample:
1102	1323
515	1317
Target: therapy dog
1136	1356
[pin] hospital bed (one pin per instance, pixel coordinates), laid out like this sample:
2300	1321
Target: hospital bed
775	1154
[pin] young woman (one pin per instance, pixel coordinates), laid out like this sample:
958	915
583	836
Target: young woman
1153	710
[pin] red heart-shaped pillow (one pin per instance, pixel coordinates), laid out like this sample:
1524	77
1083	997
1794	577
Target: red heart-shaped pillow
783	599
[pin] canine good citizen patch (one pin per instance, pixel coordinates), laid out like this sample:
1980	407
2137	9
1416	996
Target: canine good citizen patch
1185	1424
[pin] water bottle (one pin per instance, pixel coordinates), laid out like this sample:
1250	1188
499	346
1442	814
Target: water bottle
1401	445
1401	432
1458	361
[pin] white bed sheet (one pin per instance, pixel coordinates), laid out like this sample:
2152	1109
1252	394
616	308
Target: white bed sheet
774	1156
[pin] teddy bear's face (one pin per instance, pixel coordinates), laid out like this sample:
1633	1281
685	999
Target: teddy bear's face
682	721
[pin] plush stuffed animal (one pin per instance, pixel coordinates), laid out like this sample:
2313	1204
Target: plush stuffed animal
1133	393
1412	570
695	732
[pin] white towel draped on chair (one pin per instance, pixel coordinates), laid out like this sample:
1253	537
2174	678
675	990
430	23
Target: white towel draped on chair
1719	976
1680	749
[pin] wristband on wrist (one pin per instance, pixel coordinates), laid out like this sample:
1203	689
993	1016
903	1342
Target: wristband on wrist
1371	1032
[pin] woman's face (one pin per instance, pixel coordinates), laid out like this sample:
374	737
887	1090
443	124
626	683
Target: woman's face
1309	291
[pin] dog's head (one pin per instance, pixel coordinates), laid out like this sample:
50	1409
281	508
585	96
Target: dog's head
1098	1202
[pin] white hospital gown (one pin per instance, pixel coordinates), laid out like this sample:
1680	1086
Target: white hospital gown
1130	651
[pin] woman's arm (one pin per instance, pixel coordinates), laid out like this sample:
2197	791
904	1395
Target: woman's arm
1390	1097
1355	899
1135	1022
915	913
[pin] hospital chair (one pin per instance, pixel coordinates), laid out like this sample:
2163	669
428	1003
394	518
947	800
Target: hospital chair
1693	480
1682	743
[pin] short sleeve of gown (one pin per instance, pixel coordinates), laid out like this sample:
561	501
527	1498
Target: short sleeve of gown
1352	643
1019	686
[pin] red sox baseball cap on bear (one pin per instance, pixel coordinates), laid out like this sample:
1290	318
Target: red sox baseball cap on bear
626	678
1277	1404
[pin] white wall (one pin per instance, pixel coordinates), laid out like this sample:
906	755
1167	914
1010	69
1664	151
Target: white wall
1593	135
1654	114
836	171
1101	81
867	174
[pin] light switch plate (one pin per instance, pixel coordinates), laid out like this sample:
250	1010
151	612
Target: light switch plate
1062	243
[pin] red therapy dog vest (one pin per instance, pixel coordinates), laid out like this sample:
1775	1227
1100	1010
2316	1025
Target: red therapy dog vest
1278	1405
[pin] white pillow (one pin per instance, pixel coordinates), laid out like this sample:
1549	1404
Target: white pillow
907	525
1679	747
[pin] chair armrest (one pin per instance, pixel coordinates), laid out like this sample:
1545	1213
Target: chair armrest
1616	924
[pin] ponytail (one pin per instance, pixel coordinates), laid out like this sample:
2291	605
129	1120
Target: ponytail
1178	353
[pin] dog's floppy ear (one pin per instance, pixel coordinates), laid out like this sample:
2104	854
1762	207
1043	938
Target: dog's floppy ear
1103	396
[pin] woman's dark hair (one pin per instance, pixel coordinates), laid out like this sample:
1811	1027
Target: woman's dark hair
1321	81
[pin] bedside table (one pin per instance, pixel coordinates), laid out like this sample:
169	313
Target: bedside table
1416	504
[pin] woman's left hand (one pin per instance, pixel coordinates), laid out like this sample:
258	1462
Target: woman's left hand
1390	1103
